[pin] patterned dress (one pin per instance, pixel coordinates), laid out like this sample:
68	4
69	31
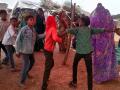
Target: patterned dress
104	59
63	23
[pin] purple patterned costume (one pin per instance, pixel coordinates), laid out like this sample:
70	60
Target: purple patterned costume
104	59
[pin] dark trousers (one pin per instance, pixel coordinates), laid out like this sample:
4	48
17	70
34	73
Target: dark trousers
5	51
88	62
49	63
39	44
10	51
28	62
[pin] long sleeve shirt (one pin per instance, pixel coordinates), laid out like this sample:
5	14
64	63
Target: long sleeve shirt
10	36
51	36
25	40
50	39
83	38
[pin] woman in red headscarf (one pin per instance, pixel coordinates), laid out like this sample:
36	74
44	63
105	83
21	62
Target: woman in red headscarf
50	39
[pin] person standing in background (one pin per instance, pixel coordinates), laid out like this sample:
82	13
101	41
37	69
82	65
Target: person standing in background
40	29
9	40
25	47
104	58
3	27
63	25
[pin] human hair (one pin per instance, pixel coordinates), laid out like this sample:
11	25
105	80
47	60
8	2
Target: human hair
40	9
85	19
3	12
28	17
13	18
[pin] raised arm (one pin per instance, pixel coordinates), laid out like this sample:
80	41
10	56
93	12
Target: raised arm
97	31
73	31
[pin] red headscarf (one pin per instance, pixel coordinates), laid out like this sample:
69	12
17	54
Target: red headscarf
51	34
51	23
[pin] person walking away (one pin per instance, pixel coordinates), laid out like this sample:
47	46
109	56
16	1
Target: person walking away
3	27
9	40
25	47
50	40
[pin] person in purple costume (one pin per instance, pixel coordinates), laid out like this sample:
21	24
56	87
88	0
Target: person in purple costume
104	59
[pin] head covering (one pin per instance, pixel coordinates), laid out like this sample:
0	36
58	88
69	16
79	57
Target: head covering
101	18
104	59
51	23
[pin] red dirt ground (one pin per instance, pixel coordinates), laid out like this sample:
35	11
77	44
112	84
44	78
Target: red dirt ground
59	79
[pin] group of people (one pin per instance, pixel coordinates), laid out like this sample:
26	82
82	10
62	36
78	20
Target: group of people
26	37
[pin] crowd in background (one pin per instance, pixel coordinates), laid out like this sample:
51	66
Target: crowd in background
33	34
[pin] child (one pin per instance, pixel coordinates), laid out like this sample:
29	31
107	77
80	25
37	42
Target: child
9	40
25	47
3	27
83	48
50	40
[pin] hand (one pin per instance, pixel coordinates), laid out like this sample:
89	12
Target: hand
18	55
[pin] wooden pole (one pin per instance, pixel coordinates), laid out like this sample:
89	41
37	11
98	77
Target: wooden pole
69	36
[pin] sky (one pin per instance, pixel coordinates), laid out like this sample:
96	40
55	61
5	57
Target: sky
88	5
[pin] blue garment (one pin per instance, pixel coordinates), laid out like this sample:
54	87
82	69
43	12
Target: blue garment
10	52
26	40
28	62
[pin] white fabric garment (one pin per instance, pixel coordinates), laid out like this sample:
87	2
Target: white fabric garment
10	36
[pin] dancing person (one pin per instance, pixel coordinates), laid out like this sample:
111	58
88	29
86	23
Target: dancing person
50	40
84	48
9	40
25	47
3	27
